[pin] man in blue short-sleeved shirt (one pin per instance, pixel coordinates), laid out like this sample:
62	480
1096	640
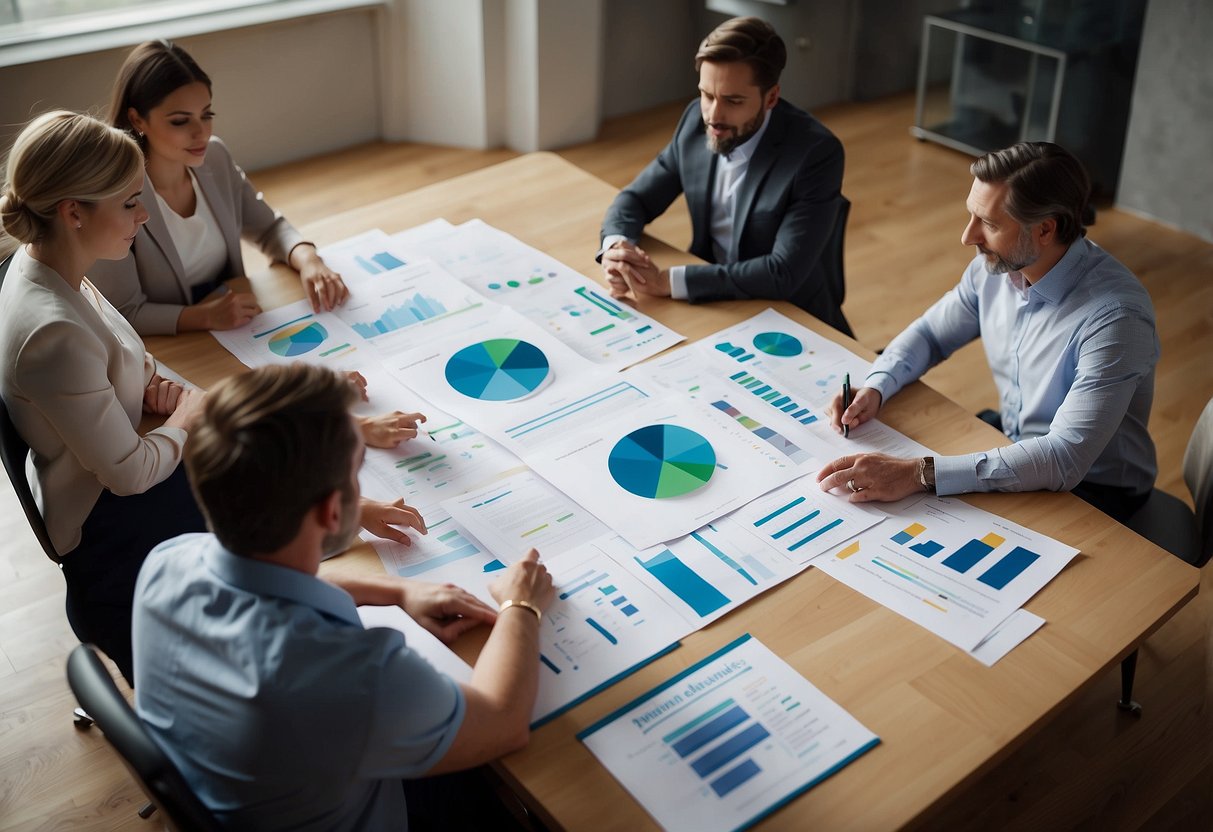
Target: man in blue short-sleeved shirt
281	710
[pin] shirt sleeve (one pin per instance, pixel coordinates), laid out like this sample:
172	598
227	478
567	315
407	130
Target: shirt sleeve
952	322
1117	350
418	714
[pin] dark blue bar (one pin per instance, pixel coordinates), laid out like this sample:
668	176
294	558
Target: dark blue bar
729	750
927	548
704	734
605	633
734	778
963	559
1008	569
549	664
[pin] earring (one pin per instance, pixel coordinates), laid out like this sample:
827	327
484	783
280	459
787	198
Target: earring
79	225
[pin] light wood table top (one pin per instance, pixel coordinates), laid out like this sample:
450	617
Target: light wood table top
943	718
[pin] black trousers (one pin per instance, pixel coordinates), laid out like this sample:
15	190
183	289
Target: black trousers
115	539
1118	503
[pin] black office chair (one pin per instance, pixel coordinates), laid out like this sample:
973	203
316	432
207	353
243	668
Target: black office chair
832	261
142	755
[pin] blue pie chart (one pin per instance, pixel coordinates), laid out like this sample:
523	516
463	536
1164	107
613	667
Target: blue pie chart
778	343
662	461
498	370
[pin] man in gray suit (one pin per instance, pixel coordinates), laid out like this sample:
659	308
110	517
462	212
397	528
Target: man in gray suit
763	183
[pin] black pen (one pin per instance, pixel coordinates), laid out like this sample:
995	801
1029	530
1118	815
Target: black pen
846	401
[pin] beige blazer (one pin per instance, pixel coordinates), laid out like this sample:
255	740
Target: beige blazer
72	375
149	286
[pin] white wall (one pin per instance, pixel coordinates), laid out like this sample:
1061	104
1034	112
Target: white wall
273	105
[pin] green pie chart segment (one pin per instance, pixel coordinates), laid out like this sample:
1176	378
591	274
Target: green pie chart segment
778	343
498	370
661	461
297	339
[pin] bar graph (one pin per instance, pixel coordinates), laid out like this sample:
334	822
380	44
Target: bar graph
1010	567
383	261
724	765
926	548
740	354
774	397
605	304
971	553
442	546
772	437
419	307
796	523
680	579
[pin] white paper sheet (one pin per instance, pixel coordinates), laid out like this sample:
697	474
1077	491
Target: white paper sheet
727	741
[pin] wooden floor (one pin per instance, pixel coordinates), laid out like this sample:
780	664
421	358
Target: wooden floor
1091	768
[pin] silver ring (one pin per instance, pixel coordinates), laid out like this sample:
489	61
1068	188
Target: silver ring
854	489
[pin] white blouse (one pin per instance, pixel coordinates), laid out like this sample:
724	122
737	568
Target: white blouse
198	239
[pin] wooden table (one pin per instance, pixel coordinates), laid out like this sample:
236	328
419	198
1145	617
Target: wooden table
943	718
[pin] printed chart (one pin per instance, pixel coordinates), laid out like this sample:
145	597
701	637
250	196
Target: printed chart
521	512
498	370
602	625
953	568
660	461
727	741
294	333
803	521
709	572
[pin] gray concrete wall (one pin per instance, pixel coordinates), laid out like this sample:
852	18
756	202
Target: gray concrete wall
1167	173
648	48
888	44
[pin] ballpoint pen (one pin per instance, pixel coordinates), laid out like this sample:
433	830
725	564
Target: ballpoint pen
846	401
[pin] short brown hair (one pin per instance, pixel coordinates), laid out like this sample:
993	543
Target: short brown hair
151	73
269	446
750	40
1044	180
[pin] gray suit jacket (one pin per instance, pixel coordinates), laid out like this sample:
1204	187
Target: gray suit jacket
149	286
787	244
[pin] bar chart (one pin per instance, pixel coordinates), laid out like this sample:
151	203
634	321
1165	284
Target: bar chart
684	582
379	262
772	396
420	307
802	521
795	454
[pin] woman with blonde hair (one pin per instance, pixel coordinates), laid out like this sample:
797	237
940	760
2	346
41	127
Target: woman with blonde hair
200	205
74	374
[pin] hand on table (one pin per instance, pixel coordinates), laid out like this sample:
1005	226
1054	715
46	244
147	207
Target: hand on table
381	519
389	429
869	477
444	609
325	288
629	269
187	408
359	381
161	395
229	310
525	580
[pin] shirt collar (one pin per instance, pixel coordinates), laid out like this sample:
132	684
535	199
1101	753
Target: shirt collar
1059	280
261	578
745	150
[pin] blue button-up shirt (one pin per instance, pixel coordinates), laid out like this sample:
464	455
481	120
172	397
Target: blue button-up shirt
1073	358
279	708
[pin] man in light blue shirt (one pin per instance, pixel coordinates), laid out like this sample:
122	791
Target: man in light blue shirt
257	677
1070	337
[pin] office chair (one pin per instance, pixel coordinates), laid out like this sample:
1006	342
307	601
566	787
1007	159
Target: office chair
1167	522
143	757
1198	474
832	261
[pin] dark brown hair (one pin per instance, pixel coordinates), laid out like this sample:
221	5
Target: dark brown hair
749	40
150	74
1044	180
270	445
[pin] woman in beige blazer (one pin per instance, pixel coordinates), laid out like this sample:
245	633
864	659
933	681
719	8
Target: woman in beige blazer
75	377
199	204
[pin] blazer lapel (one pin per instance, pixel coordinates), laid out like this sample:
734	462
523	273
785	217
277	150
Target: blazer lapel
759	168
157	230
224	215
700	167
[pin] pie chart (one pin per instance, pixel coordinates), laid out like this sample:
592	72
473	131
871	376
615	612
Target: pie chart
499	370
297	339
778	343
660	461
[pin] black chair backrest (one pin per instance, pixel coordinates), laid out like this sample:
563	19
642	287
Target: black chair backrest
13	452
143	756
833	253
